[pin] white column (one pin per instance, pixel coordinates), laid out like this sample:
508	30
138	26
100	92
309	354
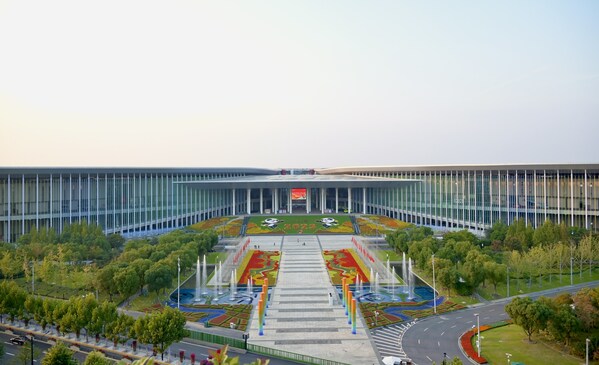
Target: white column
308	199
275	200
234	201
261	200
323	194
336	200
289	203
249	201
572	198
363	200
349	207
559	214
586	204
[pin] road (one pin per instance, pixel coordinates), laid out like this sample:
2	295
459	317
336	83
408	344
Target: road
428	339
200	350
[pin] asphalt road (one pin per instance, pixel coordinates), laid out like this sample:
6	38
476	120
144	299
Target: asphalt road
201	351
429	338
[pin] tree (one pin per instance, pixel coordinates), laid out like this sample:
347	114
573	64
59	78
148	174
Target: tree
59	354
96	358
498	231
120	330
161	329
158	277
531	315
1	350
10	266
126	280
103	316
586	306
496	273
474	267
546	234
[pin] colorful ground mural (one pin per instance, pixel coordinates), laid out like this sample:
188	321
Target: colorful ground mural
223	226
219	315
394	312
258	265
345	264
300	224
371	225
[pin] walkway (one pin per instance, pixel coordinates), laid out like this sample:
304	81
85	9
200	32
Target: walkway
301	317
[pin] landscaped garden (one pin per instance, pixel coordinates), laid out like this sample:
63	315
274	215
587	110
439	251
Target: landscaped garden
300	224
345	264
223	226
395	312
220	315
259	265
371	225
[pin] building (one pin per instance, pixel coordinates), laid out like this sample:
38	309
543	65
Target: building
130	200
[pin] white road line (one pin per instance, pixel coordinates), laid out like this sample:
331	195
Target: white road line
438	343
491	310
419	341
426	329
454	326
458	317
429	359
442	333
10	354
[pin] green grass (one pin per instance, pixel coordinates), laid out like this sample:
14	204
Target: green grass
496	342
300	224
459	299
215	257
522	287
393	256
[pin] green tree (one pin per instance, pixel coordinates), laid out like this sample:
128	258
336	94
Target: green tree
531	315
10	266
474	267
119	330
161	329
159	276
127	281
498	232
496	273
96	358
59	354
103	316
546	234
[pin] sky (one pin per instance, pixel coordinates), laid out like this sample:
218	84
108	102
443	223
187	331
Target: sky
281	84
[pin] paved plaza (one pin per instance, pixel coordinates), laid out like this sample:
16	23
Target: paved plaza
305	315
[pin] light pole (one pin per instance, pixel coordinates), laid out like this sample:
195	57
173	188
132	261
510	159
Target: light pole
508	282
478	342
586	361
434	288
178	280
31	338
571	271
376	318
445	358
508	358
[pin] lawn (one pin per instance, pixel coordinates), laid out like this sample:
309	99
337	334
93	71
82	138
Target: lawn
300	224
393	256
215	257
521	286
496	342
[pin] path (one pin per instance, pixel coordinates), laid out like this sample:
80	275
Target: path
300	317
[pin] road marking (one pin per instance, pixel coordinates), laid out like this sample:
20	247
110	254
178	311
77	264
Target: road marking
10	354
469	321
438	343
486	317
458	317
429	359
419	341
426	329
454	326
491	310
442	333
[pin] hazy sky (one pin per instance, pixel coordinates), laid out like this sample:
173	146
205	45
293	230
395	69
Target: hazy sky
298	84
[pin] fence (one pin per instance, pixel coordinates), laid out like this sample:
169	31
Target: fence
306	359
221	340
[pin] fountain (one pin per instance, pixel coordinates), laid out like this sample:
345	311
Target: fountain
204	277
388	270
410	280
198	296
357	283
233	290
215	277
404	272
393	285
371	278
376	284
219	278
249	286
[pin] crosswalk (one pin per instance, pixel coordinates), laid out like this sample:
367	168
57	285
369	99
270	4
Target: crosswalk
388	339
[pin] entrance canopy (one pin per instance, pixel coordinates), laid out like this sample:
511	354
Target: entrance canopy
297	181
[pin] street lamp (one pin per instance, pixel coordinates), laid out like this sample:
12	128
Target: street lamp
245	337
586	362
445	358
508	282
178	281
434	288
508	358
31	338
376	317
478	342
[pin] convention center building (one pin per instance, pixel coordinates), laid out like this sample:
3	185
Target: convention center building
146	200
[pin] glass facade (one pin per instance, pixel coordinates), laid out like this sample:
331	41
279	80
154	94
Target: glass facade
148	200
475	198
